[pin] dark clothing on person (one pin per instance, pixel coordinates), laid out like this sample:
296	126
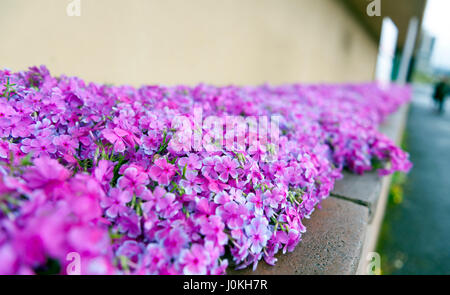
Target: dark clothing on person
440	91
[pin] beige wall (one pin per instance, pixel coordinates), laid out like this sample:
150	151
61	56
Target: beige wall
188	41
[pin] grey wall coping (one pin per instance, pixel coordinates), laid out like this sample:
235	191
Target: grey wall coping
341	233
361	189
331	245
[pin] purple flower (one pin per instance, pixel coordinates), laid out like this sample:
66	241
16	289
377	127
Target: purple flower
208	167
104	172
151	142
15	126
115	137
226	167
191	184
195	260
133	180
88	240
130	223
39	147
216	185
155	258
213	230
175	240
274	198
204	208
177	211
233	214
132	250
46	174
162	171
192	162
9	260
115	204
166	204
65	143
5	147
258	234
289	240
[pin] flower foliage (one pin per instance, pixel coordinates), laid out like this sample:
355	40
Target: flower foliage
94	169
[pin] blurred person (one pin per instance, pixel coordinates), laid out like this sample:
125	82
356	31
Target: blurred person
440	91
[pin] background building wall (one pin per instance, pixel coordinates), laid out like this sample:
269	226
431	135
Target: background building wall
179	41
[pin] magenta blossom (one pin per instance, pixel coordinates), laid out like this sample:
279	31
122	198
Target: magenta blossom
258	234
46	174
226	168
115	136
192	162
213	230
115	203
133	180
105	171
162	171
195	260
233	214
175	241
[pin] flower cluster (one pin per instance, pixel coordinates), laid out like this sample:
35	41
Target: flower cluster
94	170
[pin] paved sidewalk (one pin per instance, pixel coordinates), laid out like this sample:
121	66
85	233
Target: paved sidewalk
415	237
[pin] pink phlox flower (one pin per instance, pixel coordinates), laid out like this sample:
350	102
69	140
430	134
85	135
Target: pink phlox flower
133	180
204	208
257	151
130	223
213	230
237	195
46	174
16	126
195	260
226	167
255	202
277	168
166	204
252	171
192	183
258	234
222	198
290	239
208	167
174	241
274	198
216	185
292	218
85	197
132	250
88	240
151	122
155	258
115	203
220	269
5	147
233	214
151	142
9	258
162	171
65	143
39	147
104	172
181	142
192	163
116	137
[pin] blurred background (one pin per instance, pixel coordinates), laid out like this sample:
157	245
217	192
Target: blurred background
276	41
221	42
